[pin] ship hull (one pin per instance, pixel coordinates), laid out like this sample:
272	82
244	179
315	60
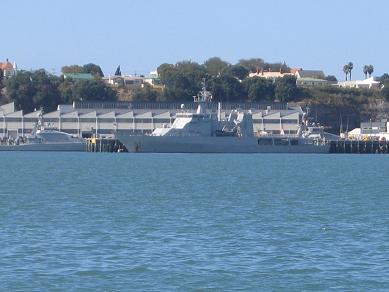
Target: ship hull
76	146
212	144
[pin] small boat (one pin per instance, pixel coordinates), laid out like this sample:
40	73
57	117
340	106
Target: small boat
42	139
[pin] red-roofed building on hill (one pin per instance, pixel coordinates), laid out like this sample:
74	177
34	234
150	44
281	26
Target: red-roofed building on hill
8	68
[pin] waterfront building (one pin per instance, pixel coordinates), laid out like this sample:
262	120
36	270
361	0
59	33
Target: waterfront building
371	130
102	119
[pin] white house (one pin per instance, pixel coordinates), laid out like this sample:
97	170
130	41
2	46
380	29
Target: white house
370	83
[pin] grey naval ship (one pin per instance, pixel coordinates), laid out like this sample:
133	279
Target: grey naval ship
203	132
42	139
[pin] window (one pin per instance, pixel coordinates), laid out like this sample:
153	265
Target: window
30	120
69	120
290	121
50	119
106	120
124	120
163	121
88	120
265	141
271	121
13	119
144	121
281	141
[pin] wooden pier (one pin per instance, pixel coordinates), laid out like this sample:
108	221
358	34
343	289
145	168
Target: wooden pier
360	147
104	145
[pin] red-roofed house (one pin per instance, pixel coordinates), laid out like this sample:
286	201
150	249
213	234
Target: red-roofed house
8	68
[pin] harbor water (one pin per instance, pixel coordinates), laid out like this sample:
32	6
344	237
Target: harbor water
149	222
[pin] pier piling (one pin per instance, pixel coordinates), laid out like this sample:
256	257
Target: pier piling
360	147
104	145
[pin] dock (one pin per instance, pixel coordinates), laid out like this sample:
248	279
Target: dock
337	147
104	145
360	147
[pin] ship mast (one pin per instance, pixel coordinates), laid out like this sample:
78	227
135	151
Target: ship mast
202	98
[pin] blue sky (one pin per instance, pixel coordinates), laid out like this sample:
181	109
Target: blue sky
140	35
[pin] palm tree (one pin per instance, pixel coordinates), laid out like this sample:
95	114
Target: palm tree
365	70
350	67
346	70
370	69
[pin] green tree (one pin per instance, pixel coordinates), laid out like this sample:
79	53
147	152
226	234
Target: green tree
346	70
331	78
238	71
276	67
252	65
118	71
46	94
32	90
72	69
384	78
370	70
93	90
147	93
227	88
93	69
65	88
259	89
215	66
350	68
385	90
182	80
286	89
165	72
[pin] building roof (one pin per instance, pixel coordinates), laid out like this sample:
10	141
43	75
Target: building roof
70	115
270	74
33	114
54	114
317	74
6	65
295	70
164	115
17	114
7	108
90	115
126	115
146	115
79	76
310	79
108	115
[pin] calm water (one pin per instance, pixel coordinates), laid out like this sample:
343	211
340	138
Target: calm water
82	221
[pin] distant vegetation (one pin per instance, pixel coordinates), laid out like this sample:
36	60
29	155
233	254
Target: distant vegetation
181	81
35	89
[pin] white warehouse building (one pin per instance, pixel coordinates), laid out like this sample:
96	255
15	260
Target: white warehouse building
101	119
